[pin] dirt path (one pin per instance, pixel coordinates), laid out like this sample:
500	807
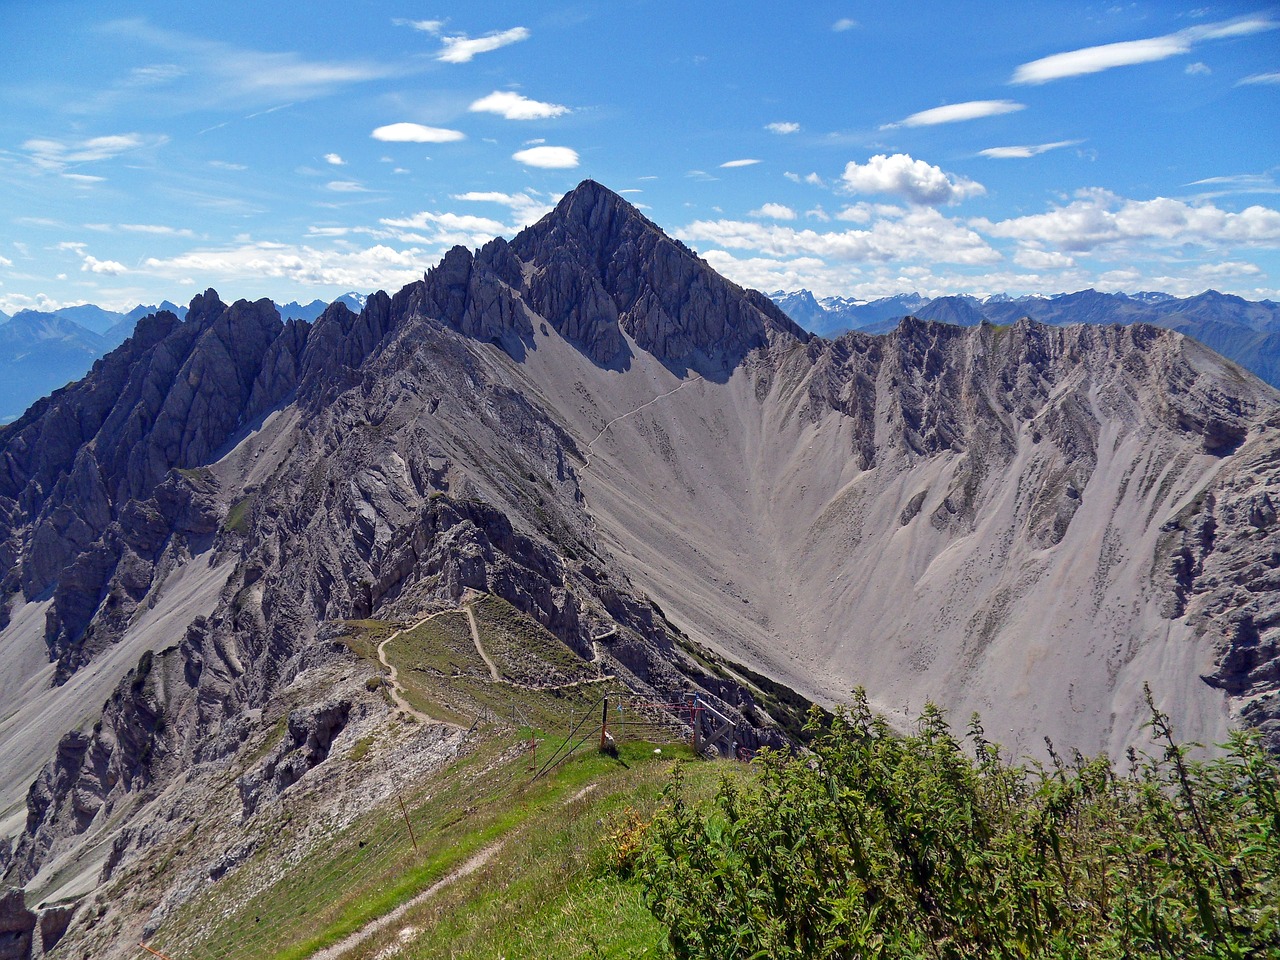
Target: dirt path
376	926
475	635
393	675
590	452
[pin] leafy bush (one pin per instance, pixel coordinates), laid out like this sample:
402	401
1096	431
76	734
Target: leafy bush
885	846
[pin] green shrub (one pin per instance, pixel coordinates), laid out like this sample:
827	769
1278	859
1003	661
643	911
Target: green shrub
878	845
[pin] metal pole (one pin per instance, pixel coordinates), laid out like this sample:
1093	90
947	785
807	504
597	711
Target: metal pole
604	723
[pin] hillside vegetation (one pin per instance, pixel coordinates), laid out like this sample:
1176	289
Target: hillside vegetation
879	845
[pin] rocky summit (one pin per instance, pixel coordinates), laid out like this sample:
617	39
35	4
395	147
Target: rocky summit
653	464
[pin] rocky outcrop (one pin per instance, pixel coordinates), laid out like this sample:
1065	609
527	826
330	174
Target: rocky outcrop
17	926
600	268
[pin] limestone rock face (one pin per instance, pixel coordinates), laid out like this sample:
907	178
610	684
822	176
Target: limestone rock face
591	424
601	268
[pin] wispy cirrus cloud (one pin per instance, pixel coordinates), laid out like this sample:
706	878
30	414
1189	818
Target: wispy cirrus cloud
957	112
463	49
1107	56
914	180
1027	150
56	155
1259	78
432	27
514	106
218	73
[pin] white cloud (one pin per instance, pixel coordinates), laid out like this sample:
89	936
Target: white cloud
730	164
1075	63
1259	78
83	178
774	211
1197	69
957	112
57	155
224	165
346	186
335	159
416	133
1030	150
1034	259
843	24
461	49
110	268
156	229
782	127
912	179
5	261
513	106
1099	218
482	227
379	266
525	209
922	234
432	27
810	178
549	158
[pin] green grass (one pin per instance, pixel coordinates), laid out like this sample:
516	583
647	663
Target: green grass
549	891
442	644
485	797
524	650
238	517
362	637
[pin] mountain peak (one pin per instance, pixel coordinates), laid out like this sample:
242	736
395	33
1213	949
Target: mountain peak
601	269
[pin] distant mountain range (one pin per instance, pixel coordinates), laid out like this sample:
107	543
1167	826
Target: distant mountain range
43	350
1245	331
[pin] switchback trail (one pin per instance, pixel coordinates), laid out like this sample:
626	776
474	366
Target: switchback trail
393	675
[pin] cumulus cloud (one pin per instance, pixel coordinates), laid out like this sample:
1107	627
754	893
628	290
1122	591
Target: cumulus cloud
462	49
957	112
774	211
912	179
548	158
110	268
334	159
416	133
513	106
810	178
782	127
1098	218
525	209
482	228
1034	259
1075	63
922	233
730	164
1030	150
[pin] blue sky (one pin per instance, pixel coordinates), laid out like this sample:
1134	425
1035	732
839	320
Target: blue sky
295	151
